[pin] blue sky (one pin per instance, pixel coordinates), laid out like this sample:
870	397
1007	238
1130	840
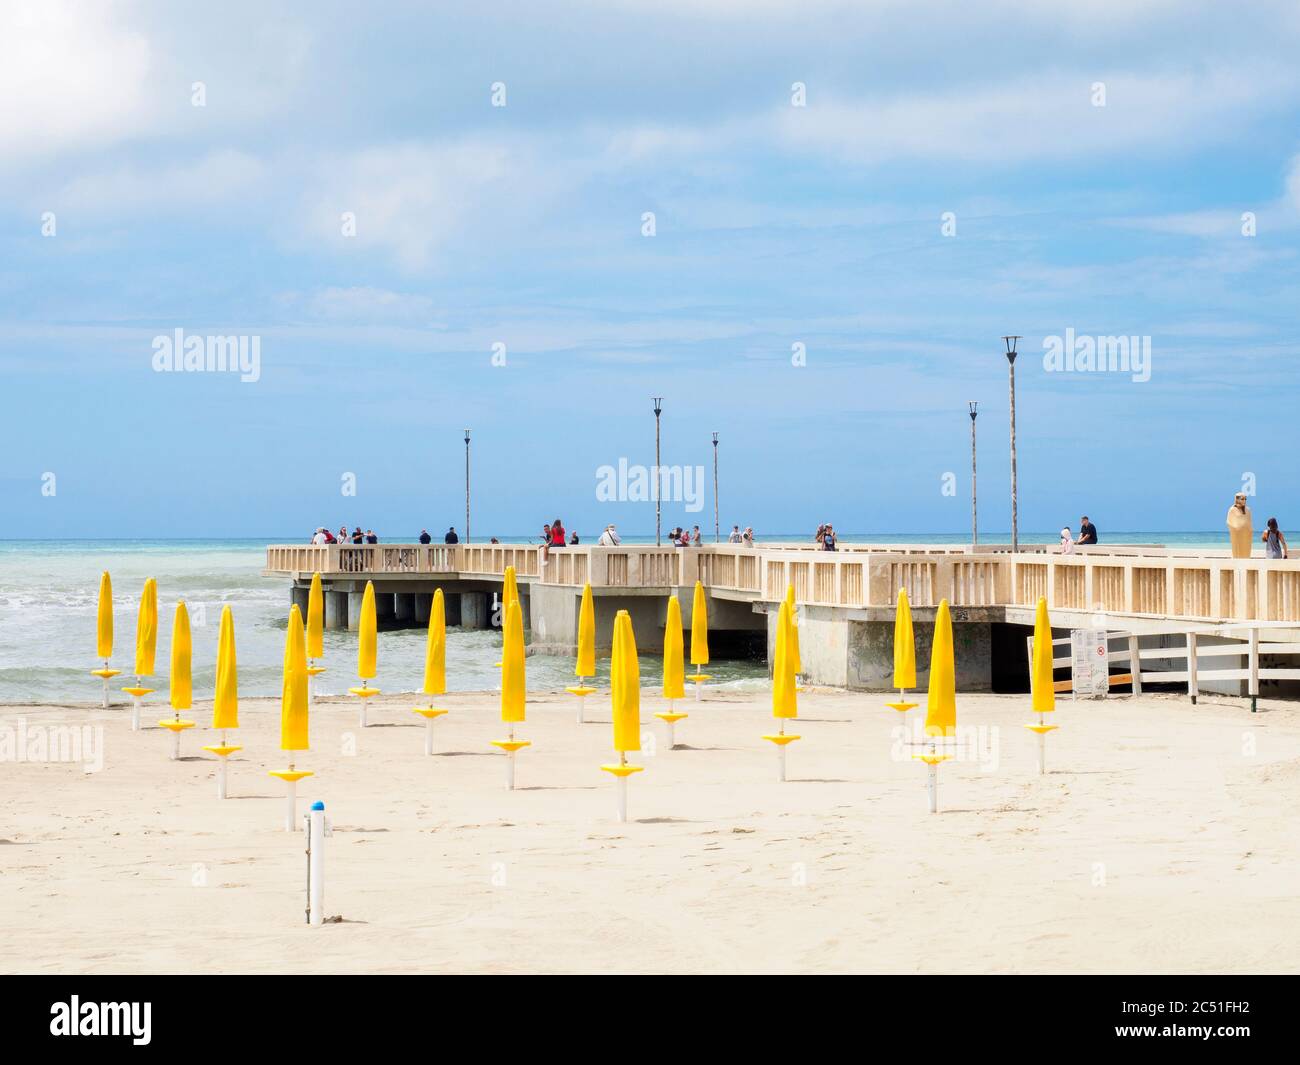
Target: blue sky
775	225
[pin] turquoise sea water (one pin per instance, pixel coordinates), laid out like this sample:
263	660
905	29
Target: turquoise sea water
49	590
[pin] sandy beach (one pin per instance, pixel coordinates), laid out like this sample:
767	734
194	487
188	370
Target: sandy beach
1161	839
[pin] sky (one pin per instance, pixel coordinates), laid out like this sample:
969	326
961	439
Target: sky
805	225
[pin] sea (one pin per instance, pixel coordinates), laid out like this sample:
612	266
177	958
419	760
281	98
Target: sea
49	595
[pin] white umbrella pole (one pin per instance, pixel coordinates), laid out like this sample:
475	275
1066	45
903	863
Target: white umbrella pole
176	745
622	798
291	803
135	709
364	700
1042	749
780	755
510	763
672	730
698	687
933	788
106	687
428	735
582	701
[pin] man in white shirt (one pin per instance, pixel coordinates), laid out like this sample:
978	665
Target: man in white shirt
609	538
319	538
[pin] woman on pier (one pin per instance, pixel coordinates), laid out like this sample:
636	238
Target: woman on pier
1240	526
1274	541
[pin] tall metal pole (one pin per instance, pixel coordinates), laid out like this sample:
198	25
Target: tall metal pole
1010	342
716	528
658	479
974	511
467	486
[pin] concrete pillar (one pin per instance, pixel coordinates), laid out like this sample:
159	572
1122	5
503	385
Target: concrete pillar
475	610
451	607
404	607
423	604
298	596
336	610
354	610
384	606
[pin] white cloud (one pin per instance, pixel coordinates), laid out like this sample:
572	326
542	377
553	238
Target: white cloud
219	176
69	77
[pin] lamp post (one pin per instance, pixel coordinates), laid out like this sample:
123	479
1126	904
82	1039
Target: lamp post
467	486
717	532
974	521
658	480
1010	342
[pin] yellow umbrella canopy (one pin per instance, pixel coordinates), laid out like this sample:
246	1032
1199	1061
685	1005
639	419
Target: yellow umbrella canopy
293	693
699	628
146	630
513	679
509	592
784	700
941	705
625	686
180	681
225	702
904	644
367	643
315	619
1042	684
674	671
586	666
435	650
104	618
796	664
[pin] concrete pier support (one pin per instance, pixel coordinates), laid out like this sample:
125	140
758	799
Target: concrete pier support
404	607
336	610
299	596
354	610
423	604
475	610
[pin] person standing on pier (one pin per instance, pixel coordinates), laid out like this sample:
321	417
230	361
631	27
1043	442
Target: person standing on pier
451	537
1274	541
1240	526
748	537
425	538
735	536
828	538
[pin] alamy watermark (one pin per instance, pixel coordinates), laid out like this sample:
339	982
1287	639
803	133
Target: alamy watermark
21	742
176	353
627	483
1098	354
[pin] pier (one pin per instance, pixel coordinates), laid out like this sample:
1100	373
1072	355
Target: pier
1149	597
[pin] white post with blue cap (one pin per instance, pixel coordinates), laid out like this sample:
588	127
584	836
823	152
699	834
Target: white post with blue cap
316	864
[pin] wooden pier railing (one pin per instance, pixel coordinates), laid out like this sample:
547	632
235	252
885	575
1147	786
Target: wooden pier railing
1137	580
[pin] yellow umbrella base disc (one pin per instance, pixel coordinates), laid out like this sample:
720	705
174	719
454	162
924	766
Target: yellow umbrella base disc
364	693
932	759
175	726
581	691
138	692
902	708
622	770
1042	729
105	673
670	718
782	738
222	751
315	671
428	712
510	746
700	678
290	776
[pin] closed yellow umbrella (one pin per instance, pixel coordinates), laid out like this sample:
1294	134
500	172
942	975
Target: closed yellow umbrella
509	592
367	650
146	648
514	686
293	710
315	633
785	704
104	633
586	664
796	663
180	680
1042	684
225	701
435	666
699	639
674	669
941	704
625	695
904	655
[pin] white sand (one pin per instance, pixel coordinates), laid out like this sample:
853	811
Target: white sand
1157	842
